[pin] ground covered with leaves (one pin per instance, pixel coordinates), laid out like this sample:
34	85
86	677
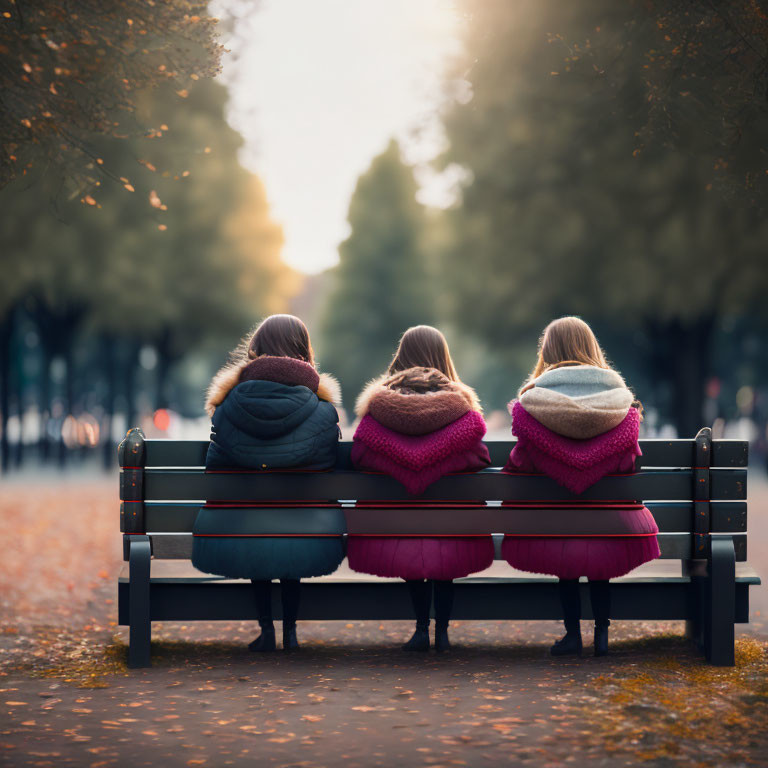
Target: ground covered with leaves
349	696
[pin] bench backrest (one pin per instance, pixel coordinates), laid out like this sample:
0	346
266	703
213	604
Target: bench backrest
695	488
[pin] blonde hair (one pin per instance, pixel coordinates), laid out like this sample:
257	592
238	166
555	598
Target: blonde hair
566	341
569	341
423	347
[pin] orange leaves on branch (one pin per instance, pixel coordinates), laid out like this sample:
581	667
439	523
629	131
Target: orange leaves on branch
102	54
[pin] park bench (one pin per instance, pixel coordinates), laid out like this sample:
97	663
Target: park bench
695	488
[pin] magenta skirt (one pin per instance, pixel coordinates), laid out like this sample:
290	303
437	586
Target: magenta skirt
571	558
414	558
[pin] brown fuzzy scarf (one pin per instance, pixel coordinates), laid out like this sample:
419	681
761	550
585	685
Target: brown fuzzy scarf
283	370
416	401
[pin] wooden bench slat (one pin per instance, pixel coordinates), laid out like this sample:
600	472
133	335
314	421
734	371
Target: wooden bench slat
648	593
673	546
194	484
180	571
726	516
656	453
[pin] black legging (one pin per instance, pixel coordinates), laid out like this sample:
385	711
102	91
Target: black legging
421	597
290	592
570	598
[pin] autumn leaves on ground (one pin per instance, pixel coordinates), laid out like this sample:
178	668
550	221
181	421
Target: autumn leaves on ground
349	696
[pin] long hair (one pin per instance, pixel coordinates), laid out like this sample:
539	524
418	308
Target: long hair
566	341
424	347
281	336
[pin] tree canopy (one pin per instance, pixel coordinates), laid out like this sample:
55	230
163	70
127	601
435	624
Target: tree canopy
73	73
381	285
189	255
564	213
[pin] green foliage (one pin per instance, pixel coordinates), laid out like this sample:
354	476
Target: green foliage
71	74
381	281
186	255
564	214
706	78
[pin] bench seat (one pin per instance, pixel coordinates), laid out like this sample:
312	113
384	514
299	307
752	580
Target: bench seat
179	592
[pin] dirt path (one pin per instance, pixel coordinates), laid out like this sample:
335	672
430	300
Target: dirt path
351	698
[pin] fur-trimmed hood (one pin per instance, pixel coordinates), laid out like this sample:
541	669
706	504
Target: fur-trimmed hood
416	401
282	370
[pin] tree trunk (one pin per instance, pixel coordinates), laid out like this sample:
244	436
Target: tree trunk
682	356
67	338
129	379
165	361
44	403
58	329
109	359
6	334
18	355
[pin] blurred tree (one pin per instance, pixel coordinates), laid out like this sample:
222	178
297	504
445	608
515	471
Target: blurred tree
189	257
206	264
563	214
11	292
70	74
381	283
706	73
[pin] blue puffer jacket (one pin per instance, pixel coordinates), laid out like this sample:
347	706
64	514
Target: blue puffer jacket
267	424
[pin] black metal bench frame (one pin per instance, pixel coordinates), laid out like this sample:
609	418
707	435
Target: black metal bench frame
701	512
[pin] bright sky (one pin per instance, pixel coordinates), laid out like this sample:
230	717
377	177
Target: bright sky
319	87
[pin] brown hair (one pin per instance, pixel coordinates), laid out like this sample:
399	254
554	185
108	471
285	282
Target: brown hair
569	341
282	336
423	347
566	341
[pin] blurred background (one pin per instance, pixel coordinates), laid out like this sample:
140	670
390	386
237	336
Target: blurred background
167	180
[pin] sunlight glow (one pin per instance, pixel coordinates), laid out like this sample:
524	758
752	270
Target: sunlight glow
318	88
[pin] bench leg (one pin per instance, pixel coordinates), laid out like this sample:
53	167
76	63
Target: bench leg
693	631
721	602
696	622
140	632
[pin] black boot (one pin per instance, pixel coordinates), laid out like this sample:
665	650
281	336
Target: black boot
290	590
442	643
262	590
600	595
420	639
601	639
266	640
443	608
570	600
569	645
290	641
421	597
